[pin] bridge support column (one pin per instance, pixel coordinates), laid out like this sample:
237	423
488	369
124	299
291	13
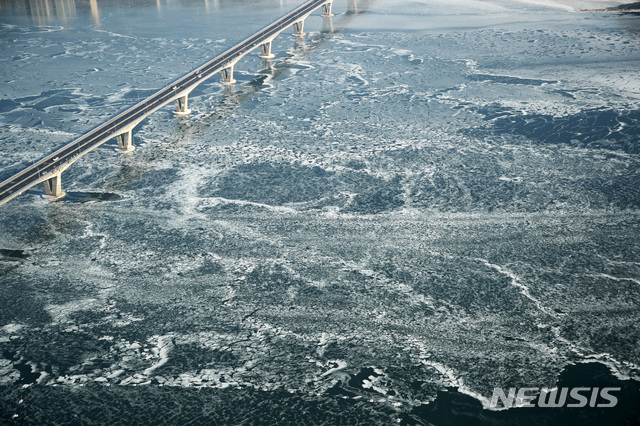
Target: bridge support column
352	7
326	9
327	25
227	75
298	29
265	51
182	106
53	188
124	142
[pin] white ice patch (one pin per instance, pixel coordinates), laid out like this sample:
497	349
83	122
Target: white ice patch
112	34
216	201
90	233
401	288
340	365
466	5
452	379
623	370
611	277
44	131
12	328
516	179
515	281
162	349
8	374
574	5
60	313
548	3
618	262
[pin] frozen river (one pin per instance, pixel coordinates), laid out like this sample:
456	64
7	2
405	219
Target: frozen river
417	203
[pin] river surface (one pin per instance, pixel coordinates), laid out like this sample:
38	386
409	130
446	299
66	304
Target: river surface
414	204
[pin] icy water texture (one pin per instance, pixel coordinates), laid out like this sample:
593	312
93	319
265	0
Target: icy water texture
434	195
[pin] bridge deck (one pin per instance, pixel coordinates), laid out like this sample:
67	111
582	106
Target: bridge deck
58	161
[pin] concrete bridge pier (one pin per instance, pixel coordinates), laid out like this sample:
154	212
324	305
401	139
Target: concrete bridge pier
298	29
352	7
53	187
125	141
326	9
182	105
227	75
327	25
265	50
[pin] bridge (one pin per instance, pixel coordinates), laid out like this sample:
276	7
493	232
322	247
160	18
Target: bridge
49	169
